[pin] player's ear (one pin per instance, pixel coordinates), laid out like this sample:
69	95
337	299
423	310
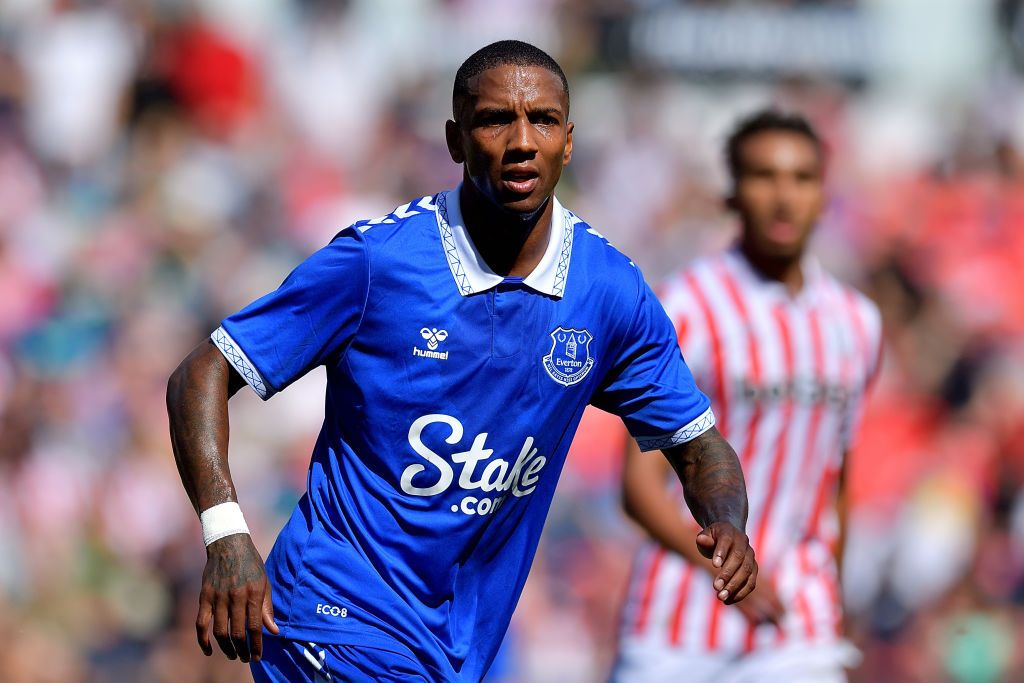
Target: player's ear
453	136
567	154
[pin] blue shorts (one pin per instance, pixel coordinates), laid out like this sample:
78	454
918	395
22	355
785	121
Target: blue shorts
292	661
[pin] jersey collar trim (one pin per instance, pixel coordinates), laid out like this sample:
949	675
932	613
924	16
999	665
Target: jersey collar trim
472	274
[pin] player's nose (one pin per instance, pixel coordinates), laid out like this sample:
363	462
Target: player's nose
787	191
522	138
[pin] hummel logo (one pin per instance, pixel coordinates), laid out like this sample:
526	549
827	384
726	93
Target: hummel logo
434	337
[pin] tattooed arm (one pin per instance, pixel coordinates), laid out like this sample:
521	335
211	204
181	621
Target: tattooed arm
649	503
235	596
714	489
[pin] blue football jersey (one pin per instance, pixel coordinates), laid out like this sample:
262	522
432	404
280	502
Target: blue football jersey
452	398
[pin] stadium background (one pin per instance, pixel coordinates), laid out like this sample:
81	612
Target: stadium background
163	162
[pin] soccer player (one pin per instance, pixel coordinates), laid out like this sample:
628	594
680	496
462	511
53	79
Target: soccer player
785	352
463	335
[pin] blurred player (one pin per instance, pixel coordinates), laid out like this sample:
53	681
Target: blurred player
785	352
463	335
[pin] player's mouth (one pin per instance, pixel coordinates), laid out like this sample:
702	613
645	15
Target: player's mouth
783	231
520	181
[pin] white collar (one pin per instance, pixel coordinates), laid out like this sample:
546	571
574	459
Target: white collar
473	275
813	274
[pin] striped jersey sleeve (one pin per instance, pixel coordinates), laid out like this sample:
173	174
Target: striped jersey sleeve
683	310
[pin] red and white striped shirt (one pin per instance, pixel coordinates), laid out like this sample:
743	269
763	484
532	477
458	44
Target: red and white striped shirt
786	376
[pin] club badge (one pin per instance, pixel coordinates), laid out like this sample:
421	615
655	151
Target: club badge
569	360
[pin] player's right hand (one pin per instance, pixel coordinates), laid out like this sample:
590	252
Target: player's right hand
730	553
762	605
235	599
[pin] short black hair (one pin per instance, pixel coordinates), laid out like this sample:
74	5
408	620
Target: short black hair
503	53
769	120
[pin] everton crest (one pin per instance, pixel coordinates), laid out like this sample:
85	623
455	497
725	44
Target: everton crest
569	360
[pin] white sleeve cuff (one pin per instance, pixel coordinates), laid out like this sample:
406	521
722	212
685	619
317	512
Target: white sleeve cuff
686	433
236	356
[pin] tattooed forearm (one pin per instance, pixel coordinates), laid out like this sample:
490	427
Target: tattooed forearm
712	479
197	409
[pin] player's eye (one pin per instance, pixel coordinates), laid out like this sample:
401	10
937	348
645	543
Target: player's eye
759	174
494	118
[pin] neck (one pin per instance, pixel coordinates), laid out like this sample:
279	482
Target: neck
785	270
512	244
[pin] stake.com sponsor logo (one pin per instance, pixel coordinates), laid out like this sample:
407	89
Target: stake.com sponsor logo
520	478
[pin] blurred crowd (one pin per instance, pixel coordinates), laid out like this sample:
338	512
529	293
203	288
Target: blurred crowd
164	162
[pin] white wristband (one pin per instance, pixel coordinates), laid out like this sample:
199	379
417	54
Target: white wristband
222	520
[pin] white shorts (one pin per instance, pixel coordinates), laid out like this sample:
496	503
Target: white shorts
794	663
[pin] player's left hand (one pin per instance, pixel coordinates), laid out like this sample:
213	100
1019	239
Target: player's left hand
729	551
763	605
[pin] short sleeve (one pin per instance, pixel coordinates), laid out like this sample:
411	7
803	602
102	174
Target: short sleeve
688	323
650	387
311	318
